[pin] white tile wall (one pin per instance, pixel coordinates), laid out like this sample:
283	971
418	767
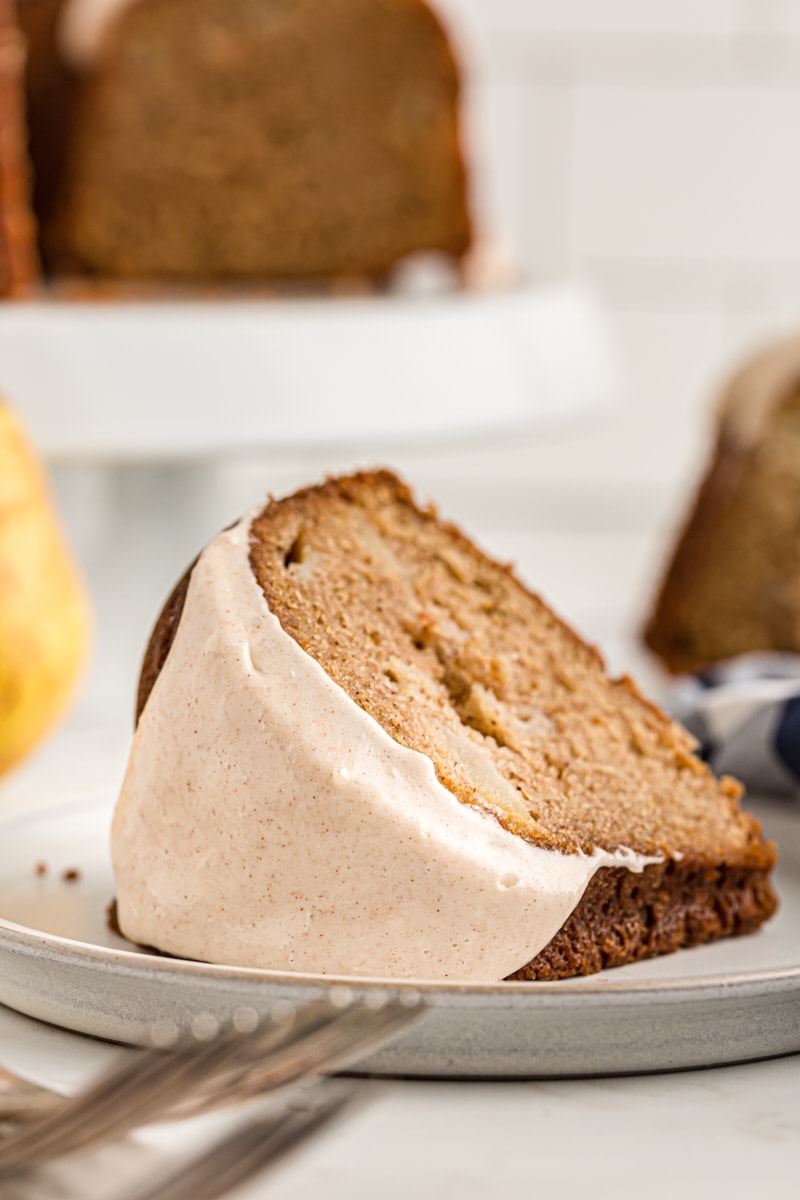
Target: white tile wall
701	175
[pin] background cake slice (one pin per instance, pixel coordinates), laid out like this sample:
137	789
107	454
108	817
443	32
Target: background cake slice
311	667
732	584
244	139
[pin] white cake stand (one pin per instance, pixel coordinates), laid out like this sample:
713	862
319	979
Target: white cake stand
146	380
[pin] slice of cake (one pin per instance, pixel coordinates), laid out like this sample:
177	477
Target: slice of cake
365	748
18	259
245	139
733	582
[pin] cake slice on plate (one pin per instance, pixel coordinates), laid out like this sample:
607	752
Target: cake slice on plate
366	748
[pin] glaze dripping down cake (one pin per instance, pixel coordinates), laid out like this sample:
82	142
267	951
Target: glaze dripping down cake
364	747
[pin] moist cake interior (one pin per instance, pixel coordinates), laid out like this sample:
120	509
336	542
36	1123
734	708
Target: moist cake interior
455	658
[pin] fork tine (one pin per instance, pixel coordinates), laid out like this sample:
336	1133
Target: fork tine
307	1023
119	1101
259	1143
130	1094
20	1100
326	1038
25	1103
327	1048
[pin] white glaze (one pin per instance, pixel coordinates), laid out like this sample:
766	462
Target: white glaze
266	820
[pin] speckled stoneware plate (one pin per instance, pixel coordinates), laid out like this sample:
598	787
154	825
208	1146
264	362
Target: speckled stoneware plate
729	1002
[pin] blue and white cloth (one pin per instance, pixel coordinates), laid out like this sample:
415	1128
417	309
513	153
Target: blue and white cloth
745	713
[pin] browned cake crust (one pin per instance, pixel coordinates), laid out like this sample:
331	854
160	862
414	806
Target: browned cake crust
624	917
278	141
457	659
18	259
732	584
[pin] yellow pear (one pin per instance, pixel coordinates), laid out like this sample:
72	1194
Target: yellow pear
44	620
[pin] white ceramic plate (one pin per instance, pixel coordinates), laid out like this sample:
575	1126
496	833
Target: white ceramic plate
728	1002
169	379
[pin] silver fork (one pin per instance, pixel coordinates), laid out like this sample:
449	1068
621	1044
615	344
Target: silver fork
21	1100
254	1146
195	1077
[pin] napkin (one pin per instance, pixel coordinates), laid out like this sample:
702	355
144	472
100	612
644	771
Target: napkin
745	713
